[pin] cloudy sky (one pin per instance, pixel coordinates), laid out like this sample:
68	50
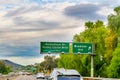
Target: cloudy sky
25	23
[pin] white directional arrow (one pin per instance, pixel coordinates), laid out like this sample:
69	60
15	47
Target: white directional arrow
89	48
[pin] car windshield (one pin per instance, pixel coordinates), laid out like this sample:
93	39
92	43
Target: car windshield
68	77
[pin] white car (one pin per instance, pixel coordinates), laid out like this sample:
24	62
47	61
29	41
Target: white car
40	76
65	74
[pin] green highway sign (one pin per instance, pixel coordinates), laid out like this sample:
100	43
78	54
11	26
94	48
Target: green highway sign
82	48
54	47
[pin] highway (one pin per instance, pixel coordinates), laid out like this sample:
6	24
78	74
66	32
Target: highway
26	77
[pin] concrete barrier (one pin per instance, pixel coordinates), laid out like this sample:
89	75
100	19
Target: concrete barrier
96	78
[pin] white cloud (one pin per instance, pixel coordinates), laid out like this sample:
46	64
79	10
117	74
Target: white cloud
44	15
9	1
105	11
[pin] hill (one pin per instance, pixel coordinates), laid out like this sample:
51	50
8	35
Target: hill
14	65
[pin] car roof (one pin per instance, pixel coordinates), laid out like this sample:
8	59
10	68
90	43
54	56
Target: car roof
40	75
62	71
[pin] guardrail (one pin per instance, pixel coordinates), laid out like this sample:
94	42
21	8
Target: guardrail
96	78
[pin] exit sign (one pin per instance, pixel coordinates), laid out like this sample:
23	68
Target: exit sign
54	47
82	48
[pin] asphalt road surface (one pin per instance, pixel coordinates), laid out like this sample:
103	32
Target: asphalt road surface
26	77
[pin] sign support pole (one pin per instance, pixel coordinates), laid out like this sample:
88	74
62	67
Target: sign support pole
92	61
92	66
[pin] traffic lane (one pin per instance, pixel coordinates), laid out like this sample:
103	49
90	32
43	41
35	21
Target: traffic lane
26	77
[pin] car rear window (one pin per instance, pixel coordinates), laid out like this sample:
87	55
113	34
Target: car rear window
68	77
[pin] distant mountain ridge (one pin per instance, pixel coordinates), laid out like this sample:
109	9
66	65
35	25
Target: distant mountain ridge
14	65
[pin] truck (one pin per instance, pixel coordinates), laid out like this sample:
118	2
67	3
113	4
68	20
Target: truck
65	74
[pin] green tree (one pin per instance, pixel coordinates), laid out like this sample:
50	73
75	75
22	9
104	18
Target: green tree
89	24
2	67
114	68
78	62
114	20
114	23
7	69
110	45
49	63
66	61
